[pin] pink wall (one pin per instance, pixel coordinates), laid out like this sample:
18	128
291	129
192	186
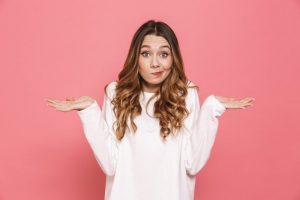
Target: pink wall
69	48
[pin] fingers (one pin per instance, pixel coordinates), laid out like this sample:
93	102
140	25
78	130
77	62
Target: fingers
70	98
52	100
242	104
62	108
57	101
245	105
248	99
59	105
246	102
231	102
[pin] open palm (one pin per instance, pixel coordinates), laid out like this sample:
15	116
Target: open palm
71	103
234	103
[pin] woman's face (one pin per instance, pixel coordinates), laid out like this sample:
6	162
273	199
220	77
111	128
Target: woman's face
155	56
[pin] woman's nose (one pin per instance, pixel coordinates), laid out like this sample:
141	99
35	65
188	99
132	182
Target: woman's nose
154	62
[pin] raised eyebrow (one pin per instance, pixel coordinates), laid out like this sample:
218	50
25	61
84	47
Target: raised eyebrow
145	45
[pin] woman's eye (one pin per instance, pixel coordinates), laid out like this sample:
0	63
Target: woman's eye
145	52
165	55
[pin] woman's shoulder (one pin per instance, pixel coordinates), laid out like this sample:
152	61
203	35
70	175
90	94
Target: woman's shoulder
112	85
192	87
190	83
192	94
110	88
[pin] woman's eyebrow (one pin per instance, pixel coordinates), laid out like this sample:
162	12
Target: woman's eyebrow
145	45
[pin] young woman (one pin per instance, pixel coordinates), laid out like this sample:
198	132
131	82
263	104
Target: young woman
151	138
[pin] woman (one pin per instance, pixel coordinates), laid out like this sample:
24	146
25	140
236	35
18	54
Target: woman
151	138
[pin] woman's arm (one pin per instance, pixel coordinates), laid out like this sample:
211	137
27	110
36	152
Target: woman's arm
100	135
202	125
201	130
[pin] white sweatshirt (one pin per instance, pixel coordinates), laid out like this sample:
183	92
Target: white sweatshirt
142	166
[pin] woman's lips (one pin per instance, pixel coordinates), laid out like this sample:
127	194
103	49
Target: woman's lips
157	73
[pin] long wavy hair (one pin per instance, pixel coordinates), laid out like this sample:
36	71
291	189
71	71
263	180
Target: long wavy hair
170	107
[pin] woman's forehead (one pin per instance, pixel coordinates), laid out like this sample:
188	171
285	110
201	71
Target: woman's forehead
155	42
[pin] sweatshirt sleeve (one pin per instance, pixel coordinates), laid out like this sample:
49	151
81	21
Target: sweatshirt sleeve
98	130
201	129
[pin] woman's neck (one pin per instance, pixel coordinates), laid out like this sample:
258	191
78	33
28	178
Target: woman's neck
150	88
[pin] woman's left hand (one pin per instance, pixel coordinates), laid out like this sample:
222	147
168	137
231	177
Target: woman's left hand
233	103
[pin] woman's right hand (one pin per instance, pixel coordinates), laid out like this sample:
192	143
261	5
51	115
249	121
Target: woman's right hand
71	103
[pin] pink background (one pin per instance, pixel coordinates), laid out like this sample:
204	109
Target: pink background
230	48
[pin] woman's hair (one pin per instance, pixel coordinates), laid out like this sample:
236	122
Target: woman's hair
170	108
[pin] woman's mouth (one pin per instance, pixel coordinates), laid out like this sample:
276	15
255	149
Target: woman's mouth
157	73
